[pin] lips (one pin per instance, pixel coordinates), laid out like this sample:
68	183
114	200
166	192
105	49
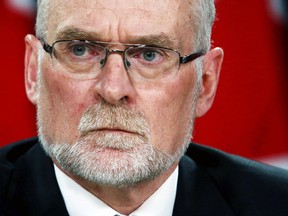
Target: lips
113	130
109	120
118	131
113	138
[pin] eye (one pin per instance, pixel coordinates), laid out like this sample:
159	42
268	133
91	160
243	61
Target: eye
149	55
81	49
78	50
146	55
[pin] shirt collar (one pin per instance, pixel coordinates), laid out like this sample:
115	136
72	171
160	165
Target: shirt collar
79	201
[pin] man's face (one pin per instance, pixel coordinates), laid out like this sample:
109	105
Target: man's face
113	119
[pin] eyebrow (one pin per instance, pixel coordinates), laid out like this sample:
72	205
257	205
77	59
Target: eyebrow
73	33
160	40
155	40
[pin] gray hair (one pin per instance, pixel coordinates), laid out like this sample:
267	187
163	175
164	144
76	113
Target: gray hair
42	19
203	16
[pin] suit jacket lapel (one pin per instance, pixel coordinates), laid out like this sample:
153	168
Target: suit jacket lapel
34	189
197	193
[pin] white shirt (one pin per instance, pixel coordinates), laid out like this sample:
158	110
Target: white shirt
80	202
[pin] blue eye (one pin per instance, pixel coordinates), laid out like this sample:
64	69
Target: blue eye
149	55
79	50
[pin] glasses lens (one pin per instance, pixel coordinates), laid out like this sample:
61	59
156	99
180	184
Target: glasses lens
152	62
79	57
85	59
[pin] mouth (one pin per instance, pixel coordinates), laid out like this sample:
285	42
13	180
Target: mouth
112	139
111	130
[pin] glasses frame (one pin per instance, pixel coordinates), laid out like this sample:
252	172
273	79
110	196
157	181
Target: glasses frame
182	59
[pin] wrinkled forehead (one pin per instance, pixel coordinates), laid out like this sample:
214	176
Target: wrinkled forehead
177	6
120	20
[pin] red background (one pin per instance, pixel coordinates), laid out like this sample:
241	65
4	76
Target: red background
249	116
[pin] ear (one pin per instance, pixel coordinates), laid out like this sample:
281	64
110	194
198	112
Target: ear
210	76
31	67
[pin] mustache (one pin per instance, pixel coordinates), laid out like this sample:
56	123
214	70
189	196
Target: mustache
103	115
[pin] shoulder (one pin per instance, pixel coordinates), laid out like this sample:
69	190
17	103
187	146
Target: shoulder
216	162
9	157
12	152
27	182
245	184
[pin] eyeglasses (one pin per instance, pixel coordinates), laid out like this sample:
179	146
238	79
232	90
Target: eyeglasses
85	59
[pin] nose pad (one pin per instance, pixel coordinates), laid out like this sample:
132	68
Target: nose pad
127	63
114	85
108	52
102	62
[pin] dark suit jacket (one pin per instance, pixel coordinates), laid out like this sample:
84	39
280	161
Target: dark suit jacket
210	183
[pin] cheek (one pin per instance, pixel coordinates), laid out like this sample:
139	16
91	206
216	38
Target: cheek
61	102
168	109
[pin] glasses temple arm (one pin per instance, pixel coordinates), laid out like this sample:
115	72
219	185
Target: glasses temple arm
191	57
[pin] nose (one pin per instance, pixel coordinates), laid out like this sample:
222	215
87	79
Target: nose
113	83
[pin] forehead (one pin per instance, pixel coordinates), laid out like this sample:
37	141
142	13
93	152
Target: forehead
121	20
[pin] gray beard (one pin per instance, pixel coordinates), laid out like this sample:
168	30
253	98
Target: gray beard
112	159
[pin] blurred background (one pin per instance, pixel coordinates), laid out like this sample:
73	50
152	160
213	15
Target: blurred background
250	114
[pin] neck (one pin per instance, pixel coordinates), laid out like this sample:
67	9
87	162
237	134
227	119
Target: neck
128	199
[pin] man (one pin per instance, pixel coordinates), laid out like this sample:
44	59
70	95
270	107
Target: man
117	86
